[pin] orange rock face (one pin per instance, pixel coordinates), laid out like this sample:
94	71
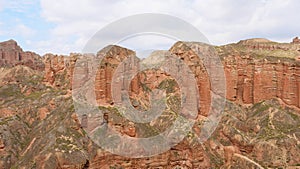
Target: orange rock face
179	156
7	112
252	80
43	112
107	69
11	54
249	80
59	69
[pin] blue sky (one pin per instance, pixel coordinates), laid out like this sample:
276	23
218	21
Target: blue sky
65	26
22	21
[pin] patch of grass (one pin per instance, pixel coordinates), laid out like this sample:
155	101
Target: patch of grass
217	161
258	53
9	91
111	110
268	133
293	116
5	121
72	108
35	95
259	108
169	85
33	80
146	130
66	143
145	87
174	102
225	142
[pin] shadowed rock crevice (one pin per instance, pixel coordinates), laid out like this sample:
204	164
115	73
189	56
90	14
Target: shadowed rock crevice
39	127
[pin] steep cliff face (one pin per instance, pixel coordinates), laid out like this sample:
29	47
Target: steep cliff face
59	70
255	76
251	75
195	63
260	126
11	54
112	57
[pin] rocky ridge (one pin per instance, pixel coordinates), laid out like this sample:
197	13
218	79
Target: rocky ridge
259	129
11	55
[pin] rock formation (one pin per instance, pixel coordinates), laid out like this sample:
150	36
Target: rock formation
107	68
59	69
11	54
296	40
252	79
259	129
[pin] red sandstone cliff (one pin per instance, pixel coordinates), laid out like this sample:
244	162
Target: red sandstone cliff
11	54
59	69
250	78
253	76
264	134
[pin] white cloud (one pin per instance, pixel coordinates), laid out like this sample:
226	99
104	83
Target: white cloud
23	31
1	30
1	5
222	21
19	30
16	5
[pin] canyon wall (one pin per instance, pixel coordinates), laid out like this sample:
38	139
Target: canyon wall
252	77
59	69
40	127
112	56
249	79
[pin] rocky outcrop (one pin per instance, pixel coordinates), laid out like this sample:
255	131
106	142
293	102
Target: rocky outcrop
252	79
296	40
260	136
59	69
260	127
267	45
112	56
181	155
11	54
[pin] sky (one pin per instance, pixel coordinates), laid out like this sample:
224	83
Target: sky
61	27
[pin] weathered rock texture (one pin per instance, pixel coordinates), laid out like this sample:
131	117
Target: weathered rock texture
259	129
112	57
59	69
11	54
252	78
